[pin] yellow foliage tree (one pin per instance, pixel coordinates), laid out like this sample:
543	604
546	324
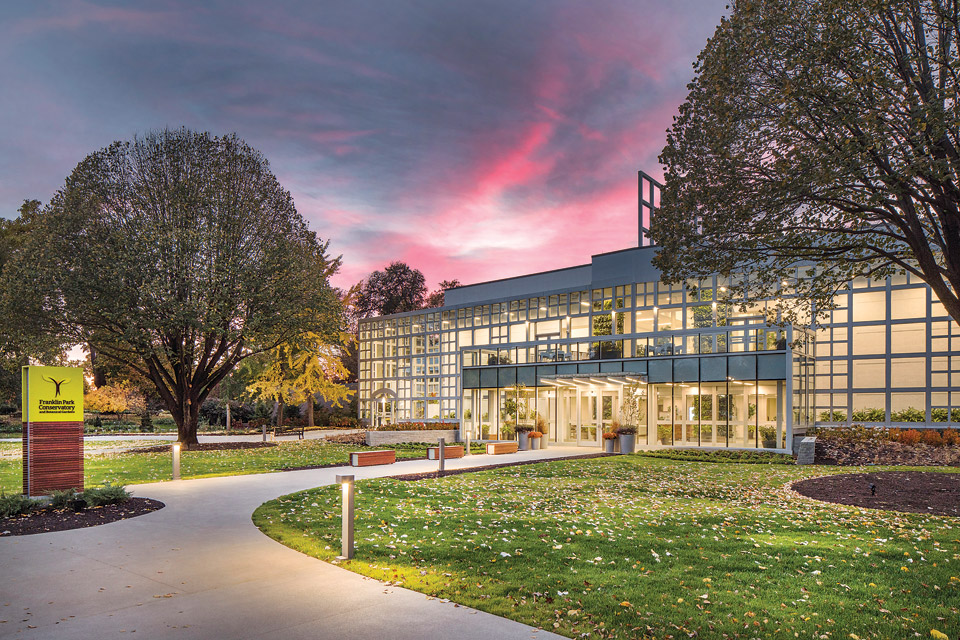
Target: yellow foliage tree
114	399
296	371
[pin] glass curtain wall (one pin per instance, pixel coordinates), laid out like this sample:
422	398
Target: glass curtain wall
740	414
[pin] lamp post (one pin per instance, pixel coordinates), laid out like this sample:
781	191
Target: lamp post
176	460
440	454
346	532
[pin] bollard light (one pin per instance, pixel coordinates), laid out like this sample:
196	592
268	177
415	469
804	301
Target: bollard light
176	460
346	532
440	454
466	450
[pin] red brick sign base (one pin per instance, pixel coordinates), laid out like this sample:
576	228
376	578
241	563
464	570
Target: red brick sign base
52	457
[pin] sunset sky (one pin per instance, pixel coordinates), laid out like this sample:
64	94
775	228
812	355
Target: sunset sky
472	140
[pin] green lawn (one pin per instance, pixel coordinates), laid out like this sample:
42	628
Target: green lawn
136	468
641	547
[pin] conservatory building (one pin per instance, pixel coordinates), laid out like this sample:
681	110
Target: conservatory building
572	351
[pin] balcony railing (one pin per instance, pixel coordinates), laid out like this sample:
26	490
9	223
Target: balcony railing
680	343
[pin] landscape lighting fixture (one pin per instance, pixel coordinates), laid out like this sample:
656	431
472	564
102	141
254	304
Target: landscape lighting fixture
346	531
175	449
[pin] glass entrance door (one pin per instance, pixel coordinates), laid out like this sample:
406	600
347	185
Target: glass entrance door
588	418
608	410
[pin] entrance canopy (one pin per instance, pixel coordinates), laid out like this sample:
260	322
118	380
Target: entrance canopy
610	380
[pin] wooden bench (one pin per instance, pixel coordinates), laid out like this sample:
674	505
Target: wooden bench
289	428
496	448
449	451
371	458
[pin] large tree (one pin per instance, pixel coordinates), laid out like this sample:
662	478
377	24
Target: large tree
824	133
436	298
178	255
397	288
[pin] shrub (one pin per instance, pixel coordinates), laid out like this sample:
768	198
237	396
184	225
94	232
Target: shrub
16	504
910	436
854	434
107	494
950	436
833	416
61	498
419	426
910	414
146	423
344	422
869	415
931	437
733	455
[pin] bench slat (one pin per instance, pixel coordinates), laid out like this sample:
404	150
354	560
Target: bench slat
371	458
497	448
449	451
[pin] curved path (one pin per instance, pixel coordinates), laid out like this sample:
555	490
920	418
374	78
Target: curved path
199	568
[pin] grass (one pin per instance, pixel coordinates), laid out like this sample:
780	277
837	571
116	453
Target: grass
634	546
137	468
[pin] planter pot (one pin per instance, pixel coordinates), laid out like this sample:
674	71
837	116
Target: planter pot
524	441
610	446
769	444
535	443
628	441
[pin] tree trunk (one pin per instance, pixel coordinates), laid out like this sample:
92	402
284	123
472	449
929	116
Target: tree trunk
280	409
187	427
310	411
228	415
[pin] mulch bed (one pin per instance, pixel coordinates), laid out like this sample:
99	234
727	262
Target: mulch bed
911	491
456	472
46	520
206	446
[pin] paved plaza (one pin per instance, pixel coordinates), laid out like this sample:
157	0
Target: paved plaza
199	568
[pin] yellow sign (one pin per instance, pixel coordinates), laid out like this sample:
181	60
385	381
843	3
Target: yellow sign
53	394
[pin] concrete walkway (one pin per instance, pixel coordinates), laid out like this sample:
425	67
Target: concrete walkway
199	568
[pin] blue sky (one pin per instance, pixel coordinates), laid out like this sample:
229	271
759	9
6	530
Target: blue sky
471	140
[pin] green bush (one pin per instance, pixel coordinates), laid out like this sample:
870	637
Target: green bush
869	415
61	498
833	416
107	494
733	455
908	415
16	504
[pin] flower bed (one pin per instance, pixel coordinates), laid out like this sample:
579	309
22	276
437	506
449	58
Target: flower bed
419	426
877	445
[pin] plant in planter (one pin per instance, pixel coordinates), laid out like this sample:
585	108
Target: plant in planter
541	425
665	433
768	437
523	433
609	442
535	438
627	434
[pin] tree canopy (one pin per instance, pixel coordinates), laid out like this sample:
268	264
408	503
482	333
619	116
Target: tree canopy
397	288
177	254
823	133
436	298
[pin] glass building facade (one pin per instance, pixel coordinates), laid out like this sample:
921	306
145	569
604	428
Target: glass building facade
575	349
